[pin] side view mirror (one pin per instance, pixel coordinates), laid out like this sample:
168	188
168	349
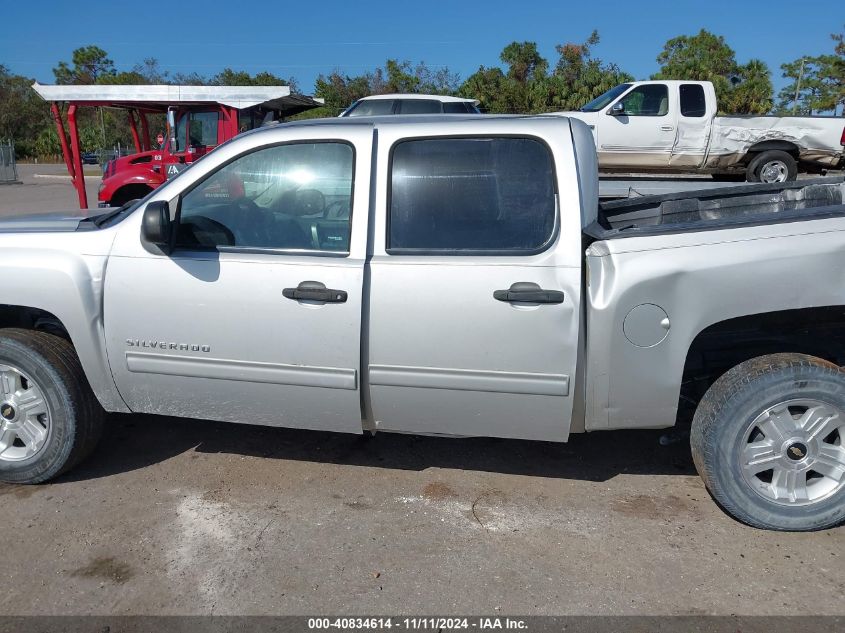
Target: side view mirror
156	227
617	109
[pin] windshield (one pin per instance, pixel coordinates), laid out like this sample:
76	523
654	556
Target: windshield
370	107
604	100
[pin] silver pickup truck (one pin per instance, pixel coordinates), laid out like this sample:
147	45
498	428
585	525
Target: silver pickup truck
448	276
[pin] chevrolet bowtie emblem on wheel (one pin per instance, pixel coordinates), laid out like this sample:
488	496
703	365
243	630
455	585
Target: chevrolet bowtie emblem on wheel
7	411
796	451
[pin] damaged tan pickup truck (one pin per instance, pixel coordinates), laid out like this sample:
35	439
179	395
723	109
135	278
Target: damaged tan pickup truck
671	126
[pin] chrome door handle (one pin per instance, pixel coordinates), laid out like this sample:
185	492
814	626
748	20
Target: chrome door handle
667	128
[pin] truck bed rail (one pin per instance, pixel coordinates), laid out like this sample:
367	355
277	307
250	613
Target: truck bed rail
710	209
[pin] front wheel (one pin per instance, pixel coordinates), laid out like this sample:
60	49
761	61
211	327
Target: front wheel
49	417
768	439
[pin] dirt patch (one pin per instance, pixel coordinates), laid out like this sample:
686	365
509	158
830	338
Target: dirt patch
648	507
18	492
217	495
105	568
438	491
357	505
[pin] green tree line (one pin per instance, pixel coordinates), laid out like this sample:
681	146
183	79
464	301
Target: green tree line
522	82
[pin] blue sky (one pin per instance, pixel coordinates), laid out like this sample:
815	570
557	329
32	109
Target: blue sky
303	39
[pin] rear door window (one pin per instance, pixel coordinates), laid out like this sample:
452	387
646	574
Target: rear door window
458	107
419	106
203	129
692	100
475	195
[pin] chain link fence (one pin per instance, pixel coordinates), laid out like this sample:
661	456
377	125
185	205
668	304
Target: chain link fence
102	156
8	168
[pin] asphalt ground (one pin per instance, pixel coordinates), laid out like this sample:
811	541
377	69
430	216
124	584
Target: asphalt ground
46	187
175	516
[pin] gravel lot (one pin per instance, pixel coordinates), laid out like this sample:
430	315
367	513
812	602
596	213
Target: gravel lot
176	516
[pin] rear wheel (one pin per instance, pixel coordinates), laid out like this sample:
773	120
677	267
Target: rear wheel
768	438
771	167
49	418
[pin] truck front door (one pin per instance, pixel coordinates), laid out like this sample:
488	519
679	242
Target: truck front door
642	133
474	288
255	316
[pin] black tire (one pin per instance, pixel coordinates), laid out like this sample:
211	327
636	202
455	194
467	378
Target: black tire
754	171
721	422
76	417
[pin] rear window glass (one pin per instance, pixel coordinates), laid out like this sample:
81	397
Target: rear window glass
202	131
692	100
457	107
374	107
419	106
471	195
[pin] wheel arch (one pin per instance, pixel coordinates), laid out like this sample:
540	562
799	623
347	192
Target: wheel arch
816	331
89	346
129	191
49	288
763	146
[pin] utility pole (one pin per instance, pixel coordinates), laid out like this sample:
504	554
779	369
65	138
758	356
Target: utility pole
798	88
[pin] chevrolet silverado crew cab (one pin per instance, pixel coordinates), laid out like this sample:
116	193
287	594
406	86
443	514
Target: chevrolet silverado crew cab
673	126
447	276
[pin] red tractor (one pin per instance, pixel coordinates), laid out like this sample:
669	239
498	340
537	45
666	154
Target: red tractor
199	118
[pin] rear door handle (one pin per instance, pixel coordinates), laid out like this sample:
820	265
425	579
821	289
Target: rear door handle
315	291
667	128
528	292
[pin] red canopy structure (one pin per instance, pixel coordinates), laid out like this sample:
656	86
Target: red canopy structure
139	101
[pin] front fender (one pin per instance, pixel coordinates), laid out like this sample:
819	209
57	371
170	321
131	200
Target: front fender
68	285
132	175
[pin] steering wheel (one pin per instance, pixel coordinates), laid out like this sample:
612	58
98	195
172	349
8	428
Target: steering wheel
337	210
310	202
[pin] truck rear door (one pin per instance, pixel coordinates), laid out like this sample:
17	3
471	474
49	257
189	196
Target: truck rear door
475	286
695	118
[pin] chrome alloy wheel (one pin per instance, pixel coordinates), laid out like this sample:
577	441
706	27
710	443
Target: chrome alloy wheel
794	452
24	417
774	171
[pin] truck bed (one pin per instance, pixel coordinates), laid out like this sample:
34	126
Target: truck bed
709	209
816	136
